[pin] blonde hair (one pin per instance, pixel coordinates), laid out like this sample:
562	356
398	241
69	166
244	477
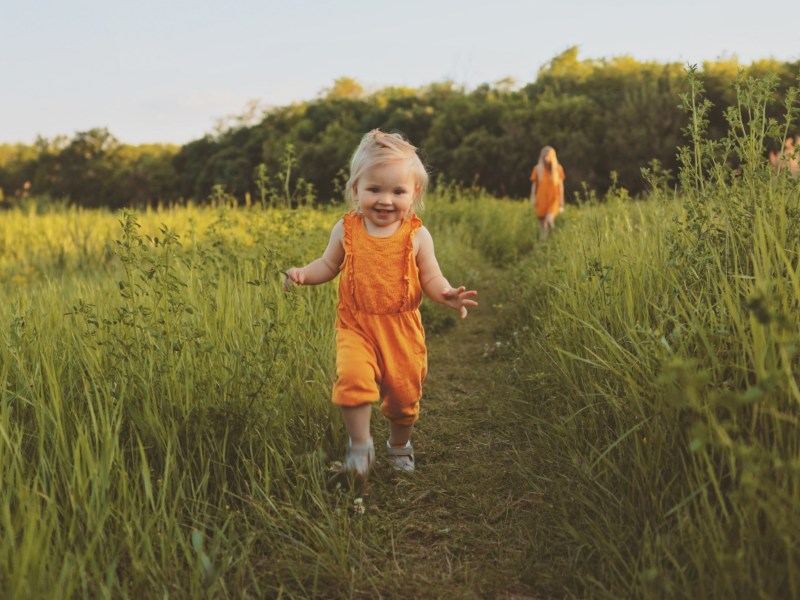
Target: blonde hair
554	171
379	148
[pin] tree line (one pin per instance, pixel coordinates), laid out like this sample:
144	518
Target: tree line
602	116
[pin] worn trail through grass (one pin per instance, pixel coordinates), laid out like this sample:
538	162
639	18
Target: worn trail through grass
458	526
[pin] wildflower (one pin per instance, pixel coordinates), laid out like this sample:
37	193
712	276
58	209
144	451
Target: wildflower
358	506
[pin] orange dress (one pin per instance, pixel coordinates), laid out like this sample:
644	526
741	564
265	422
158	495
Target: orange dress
547	196
380	342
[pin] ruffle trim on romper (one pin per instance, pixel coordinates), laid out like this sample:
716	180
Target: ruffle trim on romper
408	228
349	222
414	223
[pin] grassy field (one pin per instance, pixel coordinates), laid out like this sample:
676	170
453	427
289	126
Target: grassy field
165	422
166	427
619	418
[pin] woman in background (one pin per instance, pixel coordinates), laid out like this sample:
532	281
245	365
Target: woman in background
547	190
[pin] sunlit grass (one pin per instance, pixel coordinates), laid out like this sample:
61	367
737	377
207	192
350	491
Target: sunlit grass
165	425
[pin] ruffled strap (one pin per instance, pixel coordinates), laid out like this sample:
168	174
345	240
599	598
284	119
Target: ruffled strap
350	221
413	224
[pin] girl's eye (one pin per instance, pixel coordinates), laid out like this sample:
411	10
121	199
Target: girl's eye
399	192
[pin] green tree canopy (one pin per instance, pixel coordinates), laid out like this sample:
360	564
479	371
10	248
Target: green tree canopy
601	115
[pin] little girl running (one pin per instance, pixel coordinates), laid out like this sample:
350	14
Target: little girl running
386	260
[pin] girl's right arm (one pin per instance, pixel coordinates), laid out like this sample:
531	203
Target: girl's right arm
324	268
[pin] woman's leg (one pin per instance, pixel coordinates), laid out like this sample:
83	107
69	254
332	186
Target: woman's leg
548	223
543	228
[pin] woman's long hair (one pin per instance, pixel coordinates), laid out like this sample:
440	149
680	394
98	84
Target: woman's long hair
555	173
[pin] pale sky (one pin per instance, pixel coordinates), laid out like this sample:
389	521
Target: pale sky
166	71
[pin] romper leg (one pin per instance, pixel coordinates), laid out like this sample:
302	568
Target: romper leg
357	373
404	369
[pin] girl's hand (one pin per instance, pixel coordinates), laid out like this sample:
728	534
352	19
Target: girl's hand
293	276
459	299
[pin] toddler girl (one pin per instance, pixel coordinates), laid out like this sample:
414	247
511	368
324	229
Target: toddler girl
386	260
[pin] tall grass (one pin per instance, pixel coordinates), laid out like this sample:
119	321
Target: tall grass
165	422
661	368
152	416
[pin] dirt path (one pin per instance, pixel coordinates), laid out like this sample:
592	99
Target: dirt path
458	525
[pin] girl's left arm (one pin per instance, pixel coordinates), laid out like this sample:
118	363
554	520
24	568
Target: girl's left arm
434	284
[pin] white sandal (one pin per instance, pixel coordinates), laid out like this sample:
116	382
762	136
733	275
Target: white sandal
401	459
359	459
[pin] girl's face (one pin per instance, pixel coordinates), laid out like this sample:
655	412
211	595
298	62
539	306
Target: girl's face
385	194
548	159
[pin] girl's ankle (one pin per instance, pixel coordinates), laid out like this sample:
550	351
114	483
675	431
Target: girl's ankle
361	442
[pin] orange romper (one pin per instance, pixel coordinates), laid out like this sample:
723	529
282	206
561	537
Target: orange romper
380	343
547	198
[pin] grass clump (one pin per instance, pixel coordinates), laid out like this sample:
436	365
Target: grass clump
663	383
